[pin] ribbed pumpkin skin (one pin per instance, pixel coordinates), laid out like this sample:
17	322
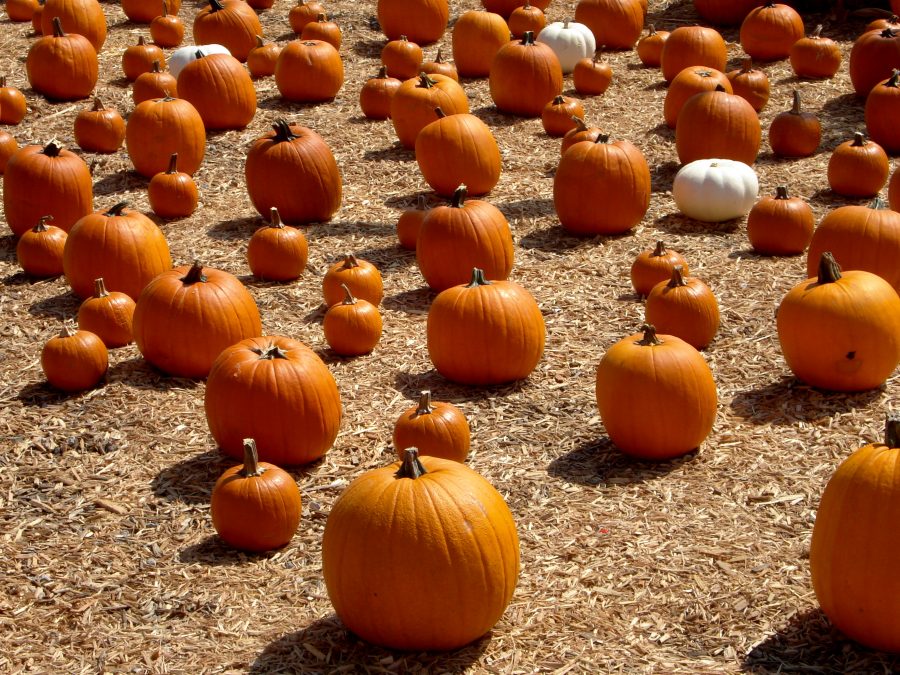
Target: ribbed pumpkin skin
477	37
413	104
292	169
221	90
38	182
458	531
614	23
882	113
99	129
769	32
181	326
84	17
654	265
795	133
615	173
108	316
458	149
309	71
250	393
173	193
256	510
126	248
352	327
485	334
780	225
144	11
854	547
815	56
39	250
524	77
453	239
717	124
234	26
858	168
689	46
62	67
860	238
435	428
688	82
686	309
657	401
153	85
74	360
842	335
158	128
421	21
873	56
276	252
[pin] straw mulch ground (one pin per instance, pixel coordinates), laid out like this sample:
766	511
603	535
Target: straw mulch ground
108	557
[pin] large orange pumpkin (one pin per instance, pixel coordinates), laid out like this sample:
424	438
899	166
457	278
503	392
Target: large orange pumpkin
221	90
841	330
62	66
525	75
689	46
454	528
656	395
74	360
422	21
309	71
231	23
84	17
873	56
485	332
160	127
269	388
716	124
413	104
854	544
684	307
769	32
477	37
616	24
185	317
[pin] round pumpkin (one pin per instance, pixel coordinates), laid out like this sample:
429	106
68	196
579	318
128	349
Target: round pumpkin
422	21
455	238
716	124
440	67
873	56
74	360
255	506
107	315
121	245
524	76
139	58
263	58
276	252
656	395
715	190
401	58
353	326
173	193
571	41
854	544
99	129
435	428
690	81
323	30
412	106
302	13
769	32
655	265
882	113
84	17
167	30
815	56
840	331
186	316
615	174
616	24
220	89
12	103
526	18
689	46
360	276
795	133
485	332
158	128
858	167
558	115
61	66
685	307
592	76
452	523
39	250
580	132
780	225
155	83
376	94
750	84
231	23
268	388
649	47
410	223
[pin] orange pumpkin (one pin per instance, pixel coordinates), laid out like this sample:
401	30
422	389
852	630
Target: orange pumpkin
402	58
769	32
360	276
12	103
99	129
858	167
410	222
617	24
309	71
323	30
815	56
155	83
649	47
62	66
477	37
688	82
557	115
716	124
167	30
580	132
173	193
276	252
230	23
412	106
107	315
525	75
882	111
221	90
592	76
422	21
263	58
440	67
689	46
526	18
376	94
873	56
750	84
302	13
684	307
780	225
795	133
435	428
39	250
160	127
353	326
84	17
74	360
653	266
139	58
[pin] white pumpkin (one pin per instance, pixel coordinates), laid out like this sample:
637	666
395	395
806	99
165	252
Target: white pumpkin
713	190
184	55
570	41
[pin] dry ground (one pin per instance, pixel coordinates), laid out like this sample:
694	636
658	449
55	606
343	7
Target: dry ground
109	559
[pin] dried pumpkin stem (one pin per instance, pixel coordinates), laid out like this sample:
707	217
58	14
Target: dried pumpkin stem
829	270
116	209
795	108
649	338
269	353
275	218
42	223
350	261
52	149
459	197
424	406
194	274
100	288
859	139
251	460
781	192
348	296
282	131
892	429
411	467
677	277
660	249
579	124
173	163
478	278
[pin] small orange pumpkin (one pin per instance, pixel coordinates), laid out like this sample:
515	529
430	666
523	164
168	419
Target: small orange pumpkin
173	193
858	167
40	249
684	307
74	360
653	266
108	315
780	225
277	252
360	276
437	429
353	326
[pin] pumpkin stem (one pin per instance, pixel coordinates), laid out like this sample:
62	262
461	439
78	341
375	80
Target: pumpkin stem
892	429
651	30
829	270
439	57
98	105
859	139
888	33
251	460
382	73
422	203
275	218
527	4
199	54
259	41
116	209
795	108
559	99
2	81
579	124
424	406
67	330
410	467
894	79
215	5
602	138
478	278
349	261
269	353
57	28
649	338
154	67
459	197
677	277
747	64
173	163
425	82
440	112
194	274
348	296
140	42
781	192
660	249
100	288
282	131
817	32
42	224
52	149
528	37
165	8
403	38
321	17
719	87
877	204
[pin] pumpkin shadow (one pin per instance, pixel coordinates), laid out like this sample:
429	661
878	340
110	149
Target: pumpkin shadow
528	208
409	201
662	85
22	279
139	373
285	107
191	481
62	306
369	48
236	228
494	118
8	245
41	394
808	642
599	462
412	384
395	152
662	176
556	239
415	301
326	646
788	400
850	110
213	552
678	223
124	180
832	200
348	228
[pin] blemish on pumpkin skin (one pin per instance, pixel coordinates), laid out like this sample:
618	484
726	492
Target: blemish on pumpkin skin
851	355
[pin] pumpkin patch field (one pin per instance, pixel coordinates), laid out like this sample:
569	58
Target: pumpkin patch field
341	230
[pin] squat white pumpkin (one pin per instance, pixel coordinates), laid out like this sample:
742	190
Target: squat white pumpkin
570	41
713	190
